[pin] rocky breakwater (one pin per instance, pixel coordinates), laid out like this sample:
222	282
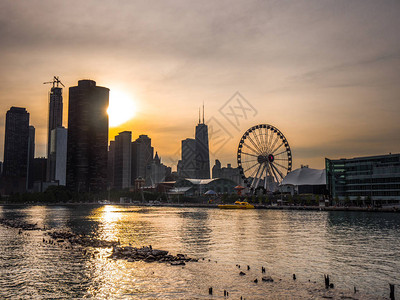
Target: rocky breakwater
82	240
148	254
18	224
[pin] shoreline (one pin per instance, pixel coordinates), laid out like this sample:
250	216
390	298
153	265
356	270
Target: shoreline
389	209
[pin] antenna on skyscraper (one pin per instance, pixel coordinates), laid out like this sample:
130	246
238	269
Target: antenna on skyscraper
203	112
199	116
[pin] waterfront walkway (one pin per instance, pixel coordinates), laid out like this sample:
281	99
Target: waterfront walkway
389	208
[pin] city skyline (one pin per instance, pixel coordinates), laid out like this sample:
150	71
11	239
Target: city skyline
325	74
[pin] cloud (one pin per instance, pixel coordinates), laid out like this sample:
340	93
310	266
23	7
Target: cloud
351	146
347	69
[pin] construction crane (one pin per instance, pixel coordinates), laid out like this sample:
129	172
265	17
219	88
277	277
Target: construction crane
55	80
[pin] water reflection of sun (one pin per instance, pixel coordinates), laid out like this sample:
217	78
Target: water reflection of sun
108	216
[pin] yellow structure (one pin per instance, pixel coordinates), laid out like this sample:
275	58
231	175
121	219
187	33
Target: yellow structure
237	205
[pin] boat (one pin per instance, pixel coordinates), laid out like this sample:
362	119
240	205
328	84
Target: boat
237	205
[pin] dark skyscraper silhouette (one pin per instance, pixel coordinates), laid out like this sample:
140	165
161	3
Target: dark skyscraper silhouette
16	149
142	155
122	160
57	159
87	137
195	162
31	157
55	119
187	168
202	150
110	164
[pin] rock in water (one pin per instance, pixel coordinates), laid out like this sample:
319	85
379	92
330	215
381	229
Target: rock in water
178	263
159	252
267	279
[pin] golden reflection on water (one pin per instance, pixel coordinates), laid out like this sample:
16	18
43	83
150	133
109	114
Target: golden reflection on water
108	217
101	270
117	277
34	214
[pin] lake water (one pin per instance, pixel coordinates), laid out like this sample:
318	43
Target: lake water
355	248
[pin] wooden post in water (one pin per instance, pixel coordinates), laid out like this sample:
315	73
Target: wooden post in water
391	291
326	277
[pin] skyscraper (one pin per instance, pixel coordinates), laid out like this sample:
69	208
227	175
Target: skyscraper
16	150
187	168
39	174
57	159
142	155
110	164
87	137
31	157
216	170
122	160
156	171
202	151
55	120
195	161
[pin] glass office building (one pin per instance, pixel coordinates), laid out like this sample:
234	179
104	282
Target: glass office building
374	178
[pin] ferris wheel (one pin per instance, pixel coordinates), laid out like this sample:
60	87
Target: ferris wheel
264	157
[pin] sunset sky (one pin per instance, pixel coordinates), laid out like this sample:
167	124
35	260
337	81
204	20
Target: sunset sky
326	73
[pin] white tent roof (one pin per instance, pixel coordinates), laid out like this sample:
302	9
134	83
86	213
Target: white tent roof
305	176
179	190
200	181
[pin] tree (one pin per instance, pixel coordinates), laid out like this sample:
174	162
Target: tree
290	199
368	201
336	200
358	201
224	198
234	197
56	193
308	199
317	199
347	200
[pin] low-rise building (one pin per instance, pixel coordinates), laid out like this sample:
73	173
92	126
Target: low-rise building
374	178
304	180
227	172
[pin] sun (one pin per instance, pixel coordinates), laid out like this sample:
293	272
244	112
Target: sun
121	109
